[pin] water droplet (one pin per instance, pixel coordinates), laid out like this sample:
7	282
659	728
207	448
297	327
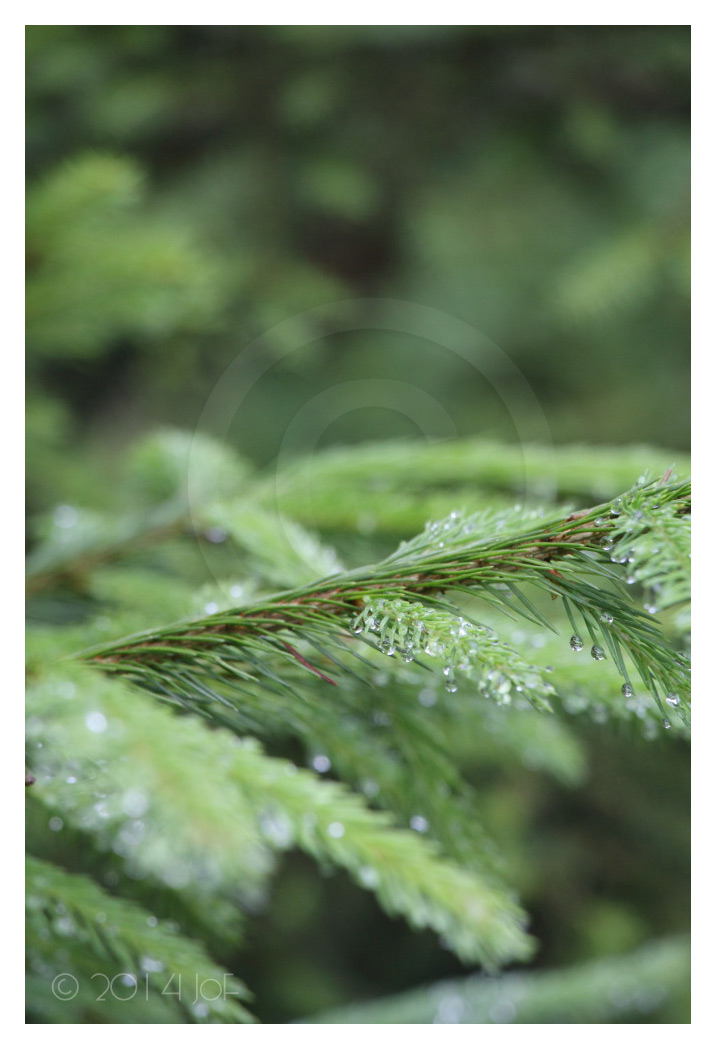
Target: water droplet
55	823
451	1009
96	721
597	652
576	643
369	877
216	535
277	829
450	683
357	625
607	617
321	763
672	699
651	609
631	579
65	517
627	690
666	724
211	607
64	926
420	824
336	830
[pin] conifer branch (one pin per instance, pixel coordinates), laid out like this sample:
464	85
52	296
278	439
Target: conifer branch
212	809
98	929
146	785
98	540
396	603
332	490
392	487
610	990
478	919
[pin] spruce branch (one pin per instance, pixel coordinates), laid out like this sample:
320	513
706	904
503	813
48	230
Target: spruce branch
75	541
388	488
391	487
148	786
282	552
210	915
477	918
313	626
70	915
90	540
201	811
610	990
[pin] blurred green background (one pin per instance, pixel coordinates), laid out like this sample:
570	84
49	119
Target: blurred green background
190	187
